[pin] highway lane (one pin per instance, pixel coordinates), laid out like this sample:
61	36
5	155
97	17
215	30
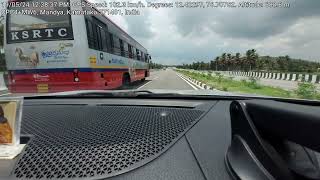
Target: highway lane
159	79
166	79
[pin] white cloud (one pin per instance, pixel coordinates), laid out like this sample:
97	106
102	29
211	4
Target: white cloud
175	36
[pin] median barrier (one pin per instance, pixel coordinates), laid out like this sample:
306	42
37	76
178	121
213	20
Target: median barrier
294	77
300	77
288	77
267	75
313	78
306	78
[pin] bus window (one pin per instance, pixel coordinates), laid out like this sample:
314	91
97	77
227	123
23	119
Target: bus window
121	47
126	50
98	37
116	47
142	56
134	52
104	40
90	34
130	51
96	33
138	54
111	43
23	27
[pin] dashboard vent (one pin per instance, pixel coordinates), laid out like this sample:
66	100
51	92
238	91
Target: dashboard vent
98	141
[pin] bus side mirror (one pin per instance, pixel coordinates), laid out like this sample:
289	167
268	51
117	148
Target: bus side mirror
150	57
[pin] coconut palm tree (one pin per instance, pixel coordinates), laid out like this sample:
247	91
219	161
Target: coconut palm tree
223	60
217	61
237	61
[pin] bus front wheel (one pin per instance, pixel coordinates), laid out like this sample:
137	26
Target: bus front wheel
125	81
145	75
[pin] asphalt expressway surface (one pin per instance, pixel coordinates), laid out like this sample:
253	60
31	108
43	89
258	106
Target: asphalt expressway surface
165	79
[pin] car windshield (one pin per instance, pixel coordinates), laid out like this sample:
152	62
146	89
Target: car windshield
247	48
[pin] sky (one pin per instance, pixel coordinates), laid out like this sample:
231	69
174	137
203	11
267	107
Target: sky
176	36
183	35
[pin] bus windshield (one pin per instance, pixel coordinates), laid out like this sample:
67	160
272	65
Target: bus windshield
35	21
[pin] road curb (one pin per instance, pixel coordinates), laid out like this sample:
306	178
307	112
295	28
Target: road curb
197	83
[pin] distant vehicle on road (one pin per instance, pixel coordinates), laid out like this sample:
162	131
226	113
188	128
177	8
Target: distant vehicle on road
49	53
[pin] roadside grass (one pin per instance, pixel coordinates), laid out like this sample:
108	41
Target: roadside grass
252	86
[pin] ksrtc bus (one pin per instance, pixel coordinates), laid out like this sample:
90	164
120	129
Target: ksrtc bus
53	46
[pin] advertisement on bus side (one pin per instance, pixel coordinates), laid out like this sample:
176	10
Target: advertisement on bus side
33	55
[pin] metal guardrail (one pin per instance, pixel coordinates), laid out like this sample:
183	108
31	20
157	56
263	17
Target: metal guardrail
301	77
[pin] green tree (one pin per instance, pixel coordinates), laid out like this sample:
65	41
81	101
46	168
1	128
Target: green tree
217	61
237	61
229	61
212	65
223	60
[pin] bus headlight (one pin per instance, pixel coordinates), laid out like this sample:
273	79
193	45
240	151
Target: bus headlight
76	79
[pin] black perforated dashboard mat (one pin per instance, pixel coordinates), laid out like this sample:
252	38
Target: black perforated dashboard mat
73	141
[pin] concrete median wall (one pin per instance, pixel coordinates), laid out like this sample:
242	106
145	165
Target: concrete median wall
312	78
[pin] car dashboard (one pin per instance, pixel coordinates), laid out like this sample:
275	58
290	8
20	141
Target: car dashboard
118	138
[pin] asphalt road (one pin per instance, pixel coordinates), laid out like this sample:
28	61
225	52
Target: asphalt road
159	79
169	80
165	79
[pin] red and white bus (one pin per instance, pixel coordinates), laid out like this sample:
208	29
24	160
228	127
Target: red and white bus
53	46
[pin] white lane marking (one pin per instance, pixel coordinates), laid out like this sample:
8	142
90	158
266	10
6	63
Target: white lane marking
144	85
199	87
155	78
187	82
